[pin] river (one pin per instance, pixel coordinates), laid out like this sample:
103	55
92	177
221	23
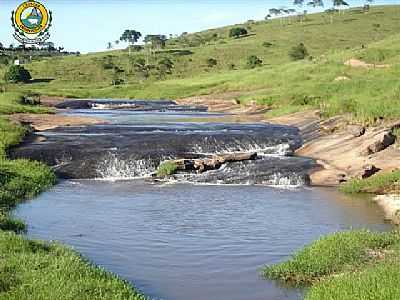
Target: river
186	238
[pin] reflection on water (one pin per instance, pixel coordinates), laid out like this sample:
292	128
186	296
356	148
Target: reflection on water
180	242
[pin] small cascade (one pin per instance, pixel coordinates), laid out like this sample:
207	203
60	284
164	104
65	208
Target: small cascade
114	168
266	170
129	151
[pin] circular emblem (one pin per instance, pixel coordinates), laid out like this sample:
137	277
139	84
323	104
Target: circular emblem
31	21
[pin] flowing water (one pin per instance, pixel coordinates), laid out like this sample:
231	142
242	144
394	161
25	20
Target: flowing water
177	240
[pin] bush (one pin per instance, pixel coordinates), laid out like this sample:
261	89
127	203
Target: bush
211	62
17	74
237	32
166	169
253	61
267	44
30	99
298	52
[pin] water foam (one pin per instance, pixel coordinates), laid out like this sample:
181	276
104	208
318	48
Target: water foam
114	168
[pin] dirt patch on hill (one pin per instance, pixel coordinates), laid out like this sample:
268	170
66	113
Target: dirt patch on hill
356	63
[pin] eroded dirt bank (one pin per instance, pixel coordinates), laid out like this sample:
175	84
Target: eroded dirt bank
342	150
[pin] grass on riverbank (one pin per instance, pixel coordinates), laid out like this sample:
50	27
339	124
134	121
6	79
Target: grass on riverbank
379	183
347	265
40	271
37	270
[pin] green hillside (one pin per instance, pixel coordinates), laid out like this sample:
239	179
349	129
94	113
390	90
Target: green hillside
283	85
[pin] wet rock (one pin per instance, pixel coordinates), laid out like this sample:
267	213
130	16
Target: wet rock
356	130
378	143
134	105
75	104
126	151
274	171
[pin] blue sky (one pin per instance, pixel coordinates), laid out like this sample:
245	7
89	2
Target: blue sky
88	25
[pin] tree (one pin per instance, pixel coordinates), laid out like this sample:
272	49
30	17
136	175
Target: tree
316	3
367	5
157	41
165	66
17	74
300	5
237	32
339	3
298	52
131	37
274	11
253	61
142	69
1	46
109	46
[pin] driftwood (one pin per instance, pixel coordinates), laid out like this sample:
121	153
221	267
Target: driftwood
201	165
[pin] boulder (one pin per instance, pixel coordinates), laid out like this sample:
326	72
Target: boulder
356	130
367	171
378	143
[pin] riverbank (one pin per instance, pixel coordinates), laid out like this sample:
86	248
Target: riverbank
33	269
346	266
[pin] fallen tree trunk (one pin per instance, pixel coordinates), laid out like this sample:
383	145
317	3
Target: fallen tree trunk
214	162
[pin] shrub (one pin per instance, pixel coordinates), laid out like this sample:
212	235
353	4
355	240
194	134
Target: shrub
298	52
253	61
267	44
237	32
166	169
166	65
211	62
30	99
17	74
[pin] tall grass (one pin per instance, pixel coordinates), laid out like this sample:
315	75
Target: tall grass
36	270
377	282
331	255
41	271
379	183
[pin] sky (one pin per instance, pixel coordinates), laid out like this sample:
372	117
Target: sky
87	25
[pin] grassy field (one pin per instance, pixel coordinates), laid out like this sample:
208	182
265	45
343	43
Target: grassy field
284	86
350	265
31	269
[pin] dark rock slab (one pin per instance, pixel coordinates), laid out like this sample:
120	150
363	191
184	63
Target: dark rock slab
95	151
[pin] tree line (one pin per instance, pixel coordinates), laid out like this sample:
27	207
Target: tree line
336	6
